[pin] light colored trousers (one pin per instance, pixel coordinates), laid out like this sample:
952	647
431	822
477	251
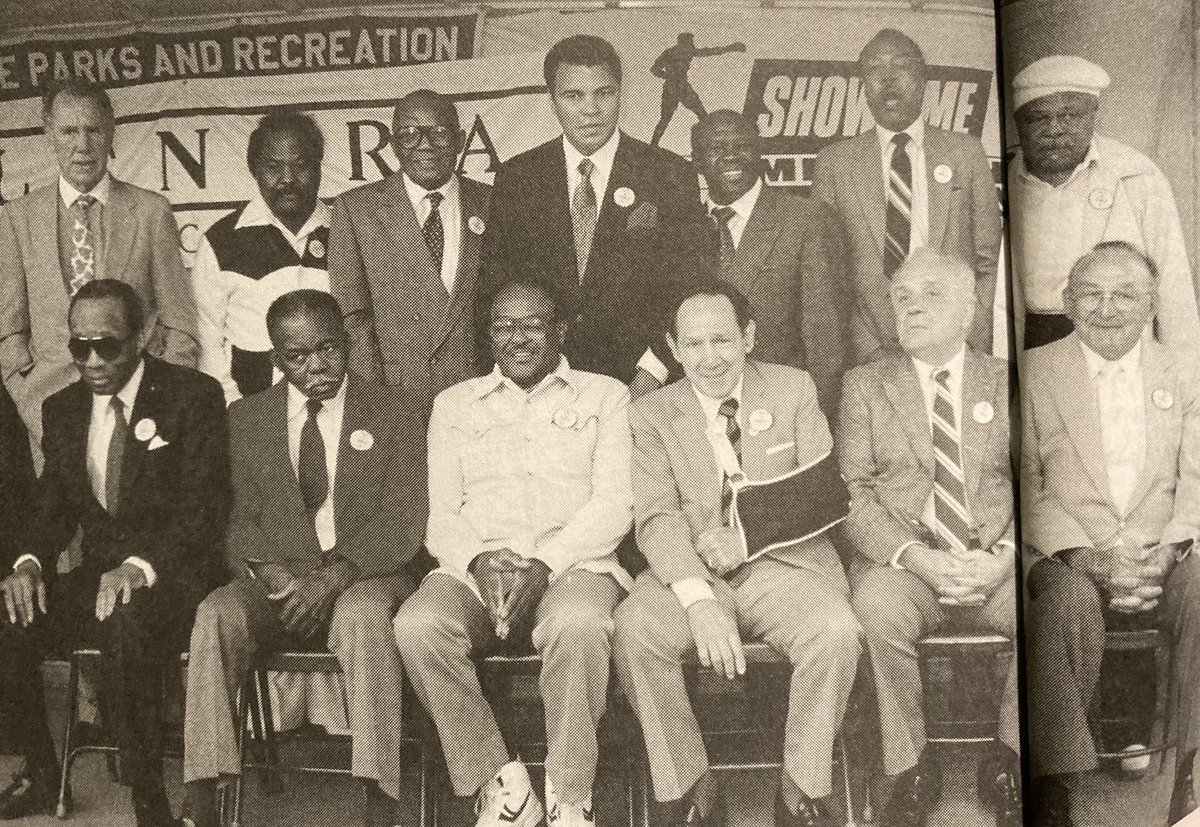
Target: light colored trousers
803	616
897	609
444	625
237	622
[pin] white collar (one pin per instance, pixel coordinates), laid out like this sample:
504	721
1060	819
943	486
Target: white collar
127	394
101	192
1131	361
258	214
743	205
417	193
915	131
298	402
602	157
954	365
495	380
711	406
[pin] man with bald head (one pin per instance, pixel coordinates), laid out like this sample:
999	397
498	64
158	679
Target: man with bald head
1070	189
1110	489
923	442
404	258
780	249
905	185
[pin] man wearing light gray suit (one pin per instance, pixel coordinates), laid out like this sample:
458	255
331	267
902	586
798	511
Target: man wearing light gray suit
404	258
728	416
904	185
85	226
923	442
1110	489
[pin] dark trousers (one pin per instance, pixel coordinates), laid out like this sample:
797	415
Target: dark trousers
138	642
1065	627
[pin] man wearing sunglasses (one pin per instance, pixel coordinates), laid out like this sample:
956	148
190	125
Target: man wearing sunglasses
404	255
137	460
529	496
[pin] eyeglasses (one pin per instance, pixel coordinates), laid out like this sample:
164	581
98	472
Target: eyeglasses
107	348
504	329
409	137
297	357
1069	119
1122	300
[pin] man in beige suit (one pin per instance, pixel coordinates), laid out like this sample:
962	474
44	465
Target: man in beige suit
728	416
1110	489
923	442
404	258
85	226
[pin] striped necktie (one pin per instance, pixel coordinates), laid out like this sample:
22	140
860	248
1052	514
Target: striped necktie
729	409
949	488
899	206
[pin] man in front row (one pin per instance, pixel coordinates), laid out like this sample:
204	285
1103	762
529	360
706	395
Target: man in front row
136	458
729	416
328	507
923	442
1110	486
529	497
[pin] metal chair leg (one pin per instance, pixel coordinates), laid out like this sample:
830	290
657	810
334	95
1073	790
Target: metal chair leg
244	705
64	783
849	798
266	720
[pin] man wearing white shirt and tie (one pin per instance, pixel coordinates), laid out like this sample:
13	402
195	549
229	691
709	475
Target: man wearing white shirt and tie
1110	488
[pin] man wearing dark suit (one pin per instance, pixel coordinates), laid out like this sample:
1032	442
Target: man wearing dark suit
328	508
781	250
1110	490
87	225
923	442
137	459
729	416
610	221
16	481
904	185
404	258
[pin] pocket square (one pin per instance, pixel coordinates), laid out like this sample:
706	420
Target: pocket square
157	442
643	217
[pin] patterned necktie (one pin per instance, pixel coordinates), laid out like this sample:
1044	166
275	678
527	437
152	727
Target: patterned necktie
83	256
899	206
313	474
722	216
583	215
435	233
949	488
729	409
116	452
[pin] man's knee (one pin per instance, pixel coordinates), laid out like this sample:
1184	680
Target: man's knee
363	606
1061	593
422	631
881	607
839	639
222	612
575	628
639	628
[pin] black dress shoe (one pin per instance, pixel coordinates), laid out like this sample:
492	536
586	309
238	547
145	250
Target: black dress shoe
809	813
1183	798
32	792
1006	788
150	808
1049	804
912	797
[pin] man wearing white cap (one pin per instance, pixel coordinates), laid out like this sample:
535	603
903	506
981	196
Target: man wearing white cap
1070	189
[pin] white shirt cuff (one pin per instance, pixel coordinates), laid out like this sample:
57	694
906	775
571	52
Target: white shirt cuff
147	569
895	561
692	589
25	557
654	366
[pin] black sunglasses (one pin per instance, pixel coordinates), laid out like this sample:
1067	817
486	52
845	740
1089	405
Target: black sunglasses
439	137
106	347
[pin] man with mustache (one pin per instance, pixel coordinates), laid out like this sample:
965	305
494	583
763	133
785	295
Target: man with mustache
1070	189
271	246
528	499
904	185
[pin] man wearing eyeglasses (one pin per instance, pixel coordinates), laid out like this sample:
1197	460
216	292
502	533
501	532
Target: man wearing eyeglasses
328	510
1070	189
529	496
404	256
137	461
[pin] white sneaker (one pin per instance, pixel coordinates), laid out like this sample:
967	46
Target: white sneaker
567	815
508	800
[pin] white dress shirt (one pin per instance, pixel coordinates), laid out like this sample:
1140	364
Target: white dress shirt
919	237
1119	402
68	193
451	211
329	423
691	589
602	159
742	206
100	428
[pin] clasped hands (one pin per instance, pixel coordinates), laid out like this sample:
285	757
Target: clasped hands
25	591
305	603
510	585
1132	576
965	579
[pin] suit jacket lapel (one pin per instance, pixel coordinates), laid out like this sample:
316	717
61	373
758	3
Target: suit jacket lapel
903	391
939	194
48	298
976	388
690	425
147	405
611	216
351	492
76	440
872	197
120	227
758	240
558	215
753	398
1154	377
470	206
1077	403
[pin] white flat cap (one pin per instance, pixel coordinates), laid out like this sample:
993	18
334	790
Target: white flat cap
1059	73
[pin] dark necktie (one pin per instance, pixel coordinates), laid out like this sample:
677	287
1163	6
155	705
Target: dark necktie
583	215
953	523
116	452
729	409
722	216
435	233
899	206
83	255
313	474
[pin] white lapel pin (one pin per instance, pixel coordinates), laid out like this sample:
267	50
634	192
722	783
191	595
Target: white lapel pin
145	429
476	225
1162	399
983	412
361	440
624	197
1101	199
760	420
565	418
315	248
942	174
